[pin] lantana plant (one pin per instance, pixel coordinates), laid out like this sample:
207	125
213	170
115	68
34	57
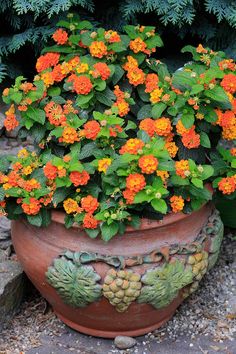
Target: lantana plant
116	137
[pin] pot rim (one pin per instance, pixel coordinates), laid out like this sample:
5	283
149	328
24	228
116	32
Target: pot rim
146	224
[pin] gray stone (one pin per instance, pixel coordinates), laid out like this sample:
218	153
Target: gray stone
12	288
123	342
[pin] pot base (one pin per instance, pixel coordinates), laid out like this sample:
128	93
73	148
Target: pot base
111	334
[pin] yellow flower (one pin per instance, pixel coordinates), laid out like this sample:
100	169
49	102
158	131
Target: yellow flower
23	153
103	164
82	68
27	170
155	95
70	206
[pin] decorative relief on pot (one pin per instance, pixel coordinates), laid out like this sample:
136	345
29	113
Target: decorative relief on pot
162	284
175	267
121	288
77	285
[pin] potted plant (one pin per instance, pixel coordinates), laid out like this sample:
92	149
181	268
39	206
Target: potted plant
112	214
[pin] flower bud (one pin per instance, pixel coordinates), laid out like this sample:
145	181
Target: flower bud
158	195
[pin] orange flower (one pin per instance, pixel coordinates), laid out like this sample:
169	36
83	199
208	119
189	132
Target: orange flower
129	196
155	95
47	78
50	171
31	185
227	185
148	164
130	64
135	182
54	113
120	95
171	148
182	168
32	208
112	36
229	83
229	133
47	61
191	139
136	76
10	122
137	45
103	70
60	36
132	146
233	151
226	119
89	204
227	64
81	84
176	203
98	49
57	74
151	82
79	178
148	126
123	108
69	136
162	126
164	175
27	86
90	222
180	128
103	164
71	206
201	49
91	129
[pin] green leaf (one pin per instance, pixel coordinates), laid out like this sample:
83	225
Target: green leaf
159	205
197	182
208	171
107	97
36	114
54	91
82	100
204	140
35	220
183	80
108	231
154	41
60	194
93	233
2	194
144	112
145	97
119	72
16	97
196	89
187	119
179	181
87	150
218	95
141	197
158	109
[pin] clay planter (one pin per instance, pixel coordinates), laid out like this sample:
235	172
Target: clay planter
128	286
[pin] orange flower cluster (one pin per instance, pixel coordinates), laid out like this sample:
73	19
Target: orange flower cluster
113	131
55	114
47	61
171	148
79	178
229	83
135	182
112	36
10	121
103	164
89	204
89	221
138	45
31	208
182	168
151	82
98	49
227	64
148	126
155	95
176	203
69	136
91	129
129	196
50	171
180	128
60	36
162	126
101	70
132	146
135	75
191	139
233	151
227	185
121	104
148	164
227	120
82	85
71	206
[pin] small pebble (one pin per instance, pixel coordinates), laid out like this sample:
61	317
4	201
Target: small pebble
123	342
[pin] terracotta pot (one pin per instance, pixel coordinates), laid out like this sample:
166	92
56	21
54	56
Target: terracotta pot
128	286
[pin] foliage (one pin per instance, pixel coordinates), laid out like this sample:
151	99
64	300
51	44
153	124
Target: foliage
29	24
162	284
118	138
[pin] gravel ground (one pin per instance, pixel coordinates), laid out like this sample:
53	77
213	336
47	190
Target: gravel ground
205	323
